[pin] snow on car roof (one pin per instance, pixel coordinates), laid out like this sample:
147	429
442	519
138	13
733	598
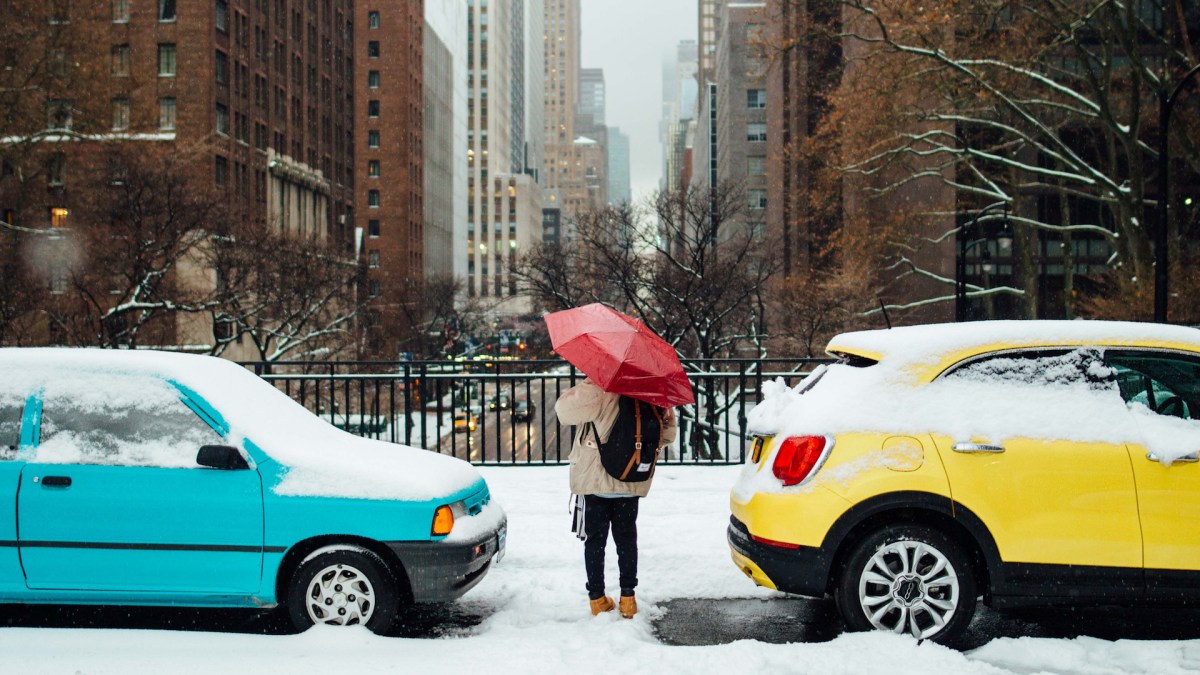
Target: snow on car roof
318	458
929	343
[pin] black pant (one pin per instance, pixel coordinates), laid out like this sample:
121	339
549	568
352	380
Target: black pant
598	514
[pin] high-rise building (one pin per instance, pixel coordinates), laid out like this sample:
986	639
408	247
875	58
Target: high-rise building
562	43
261	96
445	60
619	189
503	204
389	159
741	104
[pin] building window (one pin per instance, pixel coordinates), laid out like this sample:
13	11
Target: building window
58	114
373	79
223	16
372	20
373	228
373	288
373	259
372	108
120	114
755	166
373	198
373	138
166	59
120	60
756	99
222	68
373	318
758	199
120	11
58	217
756	131
373	49
56	167
373	168
166	113
166	10
222	119
222	171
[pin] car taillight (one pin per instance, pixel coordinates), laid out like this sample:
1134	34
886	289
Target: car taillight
797	457
443	521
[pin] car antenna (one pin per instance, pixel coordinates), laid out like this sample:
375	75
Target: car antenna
883	308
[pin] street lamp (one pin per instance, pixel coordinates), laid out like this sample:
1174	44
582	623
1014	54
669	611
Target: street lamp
1164	185
965	243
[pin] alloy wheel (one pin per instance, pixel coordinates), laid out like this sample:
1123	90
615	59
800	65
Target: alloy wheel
909	587
340	595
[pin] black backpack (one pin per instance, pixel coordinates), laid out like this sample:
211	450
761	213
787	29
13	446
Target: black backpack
631	450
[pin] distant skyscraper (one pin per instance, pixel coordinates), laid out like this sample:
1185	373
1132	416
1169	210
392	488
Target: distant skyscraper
592	95
679	101
709	32
618	167
562	42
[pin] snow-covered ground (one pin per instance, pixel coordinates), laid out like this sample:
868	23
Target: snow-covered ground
538	619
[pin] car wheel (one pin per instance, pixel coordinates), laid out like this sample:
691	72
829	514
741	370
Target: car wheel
343	586
907	579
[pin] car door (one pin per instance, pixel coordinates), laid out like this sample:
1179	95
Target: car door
1163	392
12	407
1063	511
114	500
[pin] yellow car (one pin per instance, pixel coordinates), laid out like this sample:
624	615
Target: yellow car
1024	463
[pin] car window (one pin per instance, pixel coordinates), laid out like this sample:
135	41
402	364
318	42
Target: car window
11	409
90	418
1167	384
1084	366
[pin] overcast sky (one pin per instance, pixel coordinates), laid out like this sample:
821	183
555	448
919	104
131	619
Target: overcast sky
629	39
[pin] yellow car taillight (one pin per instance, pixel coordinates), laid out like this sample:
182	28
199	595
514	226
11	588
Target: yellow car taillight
443	521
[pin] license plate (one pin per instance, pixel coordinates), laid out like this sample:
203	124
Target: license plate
501	537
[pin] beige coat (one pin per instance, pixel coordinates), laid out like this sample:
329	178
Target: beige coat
586	402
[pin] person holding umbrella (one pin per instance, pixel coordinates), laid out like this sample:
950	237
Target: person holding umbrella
623	360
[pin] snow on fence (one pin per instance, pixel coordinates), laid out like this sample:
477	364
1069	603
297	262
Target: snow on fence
497	412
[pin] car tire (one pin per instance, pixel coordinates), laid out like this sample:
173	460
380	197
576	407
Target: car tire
907	579
343	586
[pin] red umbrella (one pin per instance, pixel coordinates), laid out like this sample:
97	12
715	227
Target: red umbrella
620	354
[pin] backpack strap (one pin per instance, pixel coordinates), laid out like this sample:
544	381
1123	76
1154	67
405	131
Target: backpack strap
636	457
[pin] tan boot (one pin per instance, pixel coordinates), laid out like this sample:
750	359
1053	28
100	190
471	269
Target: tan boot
628	606
604	604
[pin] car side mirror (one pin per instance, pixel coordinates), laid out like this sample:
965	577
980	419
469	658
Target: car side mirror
224	457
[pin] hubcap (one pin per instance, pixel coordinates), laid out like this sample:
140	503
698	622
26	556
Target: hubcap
909	587
340	595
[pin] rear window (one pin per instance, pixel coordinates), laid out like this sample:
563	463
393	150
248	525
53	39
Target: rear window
1084	366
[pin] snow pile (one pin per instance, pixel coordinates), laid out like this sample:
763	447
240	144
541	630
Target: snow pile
316	458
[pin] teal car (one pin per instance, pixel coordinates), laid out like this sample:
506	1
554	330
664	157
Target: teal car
149	478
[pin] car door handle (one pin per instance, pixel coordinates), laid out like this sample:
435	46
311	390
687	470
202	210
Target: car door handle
55	481
972	448
1186	459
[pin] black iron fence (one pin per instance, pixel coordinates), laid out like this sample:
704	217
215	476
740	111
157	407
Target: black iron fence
498	412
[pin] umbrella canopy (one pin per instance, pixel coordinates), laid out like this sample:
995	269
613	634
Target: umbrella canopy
620	354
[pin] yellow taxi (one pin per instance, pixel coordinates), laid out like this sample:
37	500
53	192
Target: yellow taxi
1021	463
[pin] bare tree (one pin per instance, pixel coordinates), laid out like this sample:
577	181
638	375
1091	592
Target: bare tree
1047	106
289	296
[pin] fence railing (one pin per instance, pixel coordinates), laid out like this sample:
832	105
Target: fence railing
502	412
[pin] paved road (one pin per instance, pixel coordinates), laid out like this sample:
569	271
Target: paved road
684	621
